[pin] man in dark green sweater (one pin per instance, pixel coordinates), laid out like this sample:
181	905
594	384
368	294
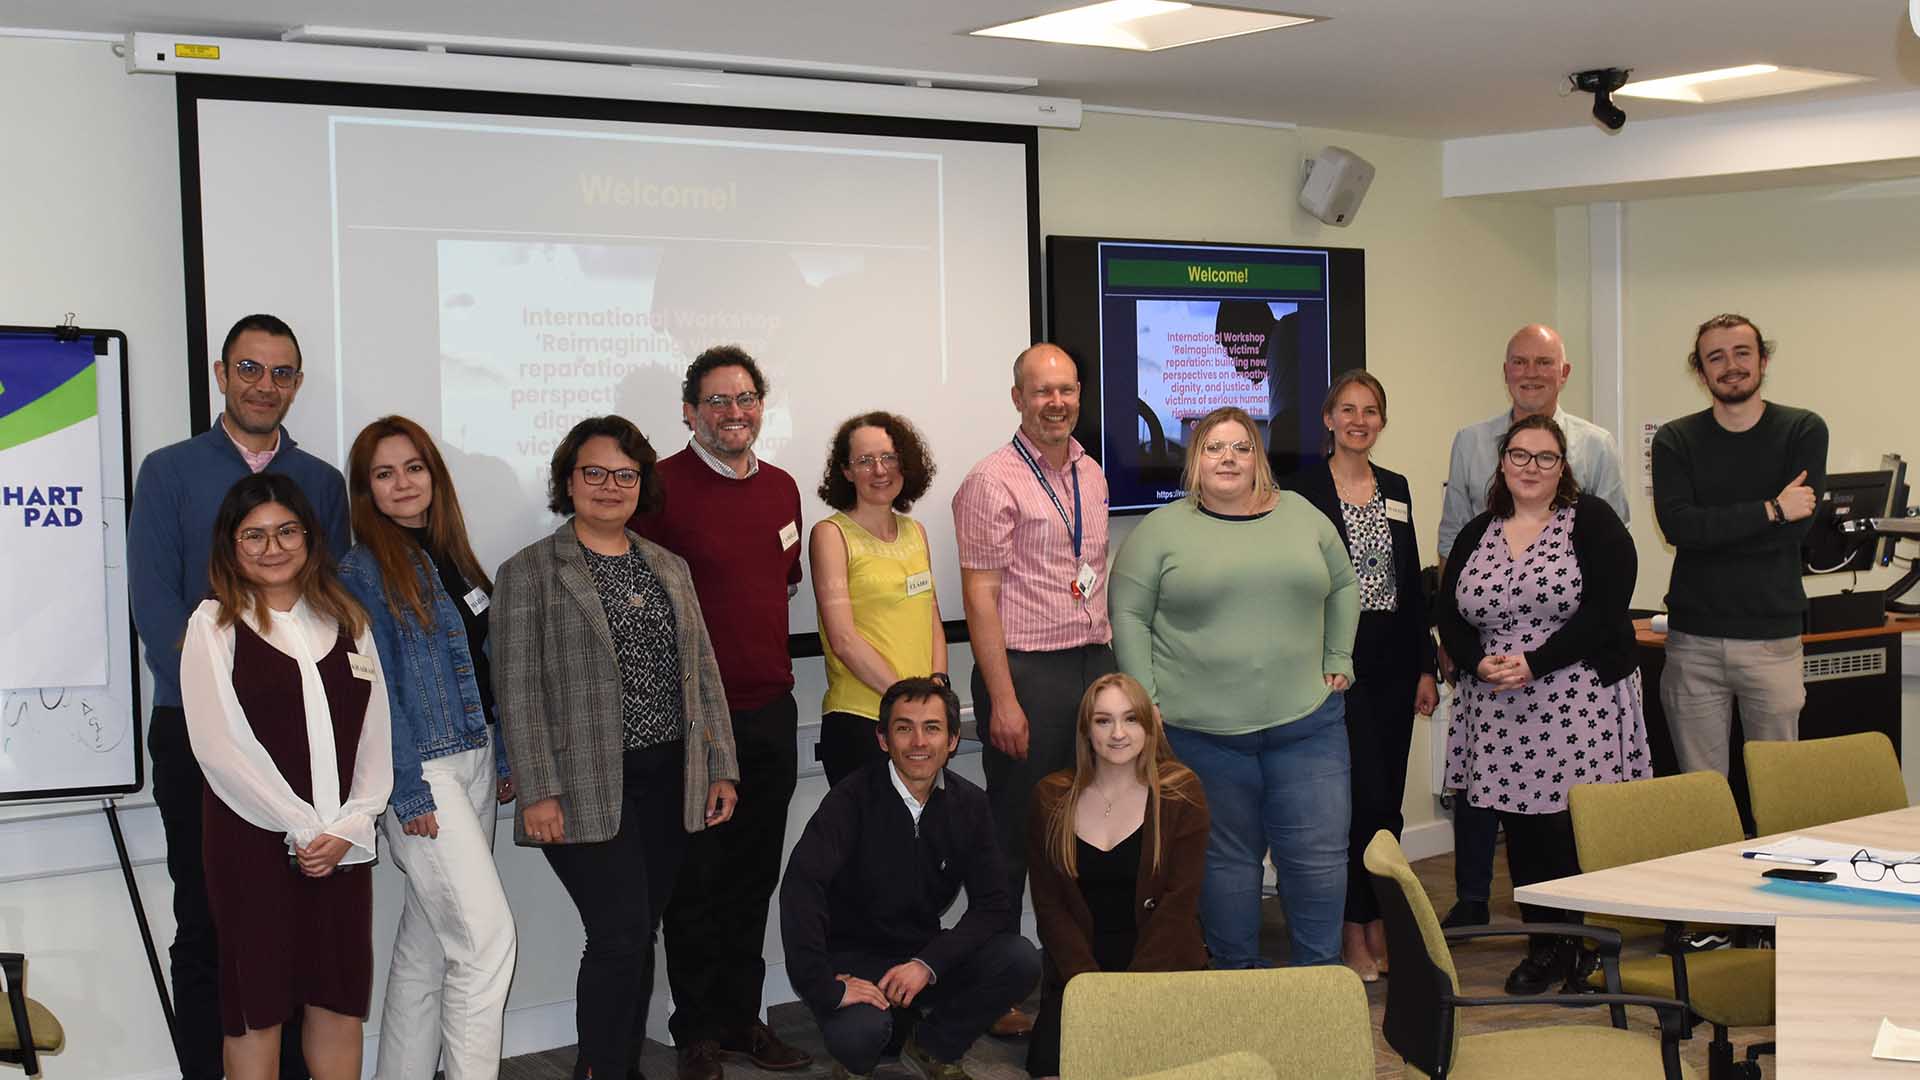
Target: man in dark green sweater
1734	487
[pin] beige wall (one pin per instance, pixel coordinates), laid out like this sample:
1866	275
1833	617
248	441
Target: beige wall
1447	281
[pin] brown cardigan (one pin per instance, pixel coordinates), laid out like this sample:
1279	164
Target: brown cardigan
1168	913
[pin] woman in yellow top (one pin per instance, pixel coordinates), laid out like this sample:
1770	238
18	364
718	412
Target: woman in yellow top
872	583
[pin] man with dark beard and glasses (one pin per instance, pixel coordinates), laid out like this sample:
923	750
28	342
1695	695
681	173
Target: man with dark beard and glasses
1734	487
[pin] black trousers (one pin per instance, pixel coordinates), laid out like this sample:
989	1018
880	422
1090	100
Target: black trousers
194	957
1475	831
958	1007
1540	848
620	887
716	923
846	743
1379	732
1049	686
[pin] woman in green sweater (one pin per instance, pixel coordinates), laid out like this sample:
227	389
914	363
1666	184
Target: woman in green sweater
1236	609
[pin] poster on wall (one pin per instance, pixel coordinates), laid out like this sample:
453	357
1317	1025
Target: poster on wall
54	620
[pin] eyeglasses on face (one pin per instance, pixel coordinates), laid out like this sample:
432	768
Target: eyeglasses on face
249	372
291	536
718	402
1548	460
1218	448
595	476
1868	868
870	462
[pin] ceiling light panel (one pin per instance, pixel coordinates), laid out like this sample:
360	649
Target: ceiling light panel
1143	25
1735	83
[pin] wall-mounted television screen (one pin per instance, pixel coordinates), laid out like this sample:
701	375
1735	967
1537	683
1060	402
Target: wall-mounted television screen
1166	331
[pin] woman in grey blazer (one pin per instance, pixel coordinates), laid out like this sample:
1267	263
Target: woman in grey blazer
615	722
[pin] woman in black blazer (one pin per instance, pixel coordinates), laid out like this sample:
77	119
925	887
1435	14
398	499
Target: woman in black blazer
1392	653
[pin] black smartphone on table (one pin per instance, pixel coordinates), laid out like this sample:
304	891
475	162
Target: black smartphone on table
1785	873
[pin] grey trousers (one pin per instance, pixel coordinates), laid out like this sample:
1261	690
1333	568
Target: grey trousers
1049	686
1704	676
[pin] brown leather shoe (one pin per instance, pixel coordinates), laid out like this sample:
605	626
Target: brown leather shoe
700	1060
1012	1024
762	1047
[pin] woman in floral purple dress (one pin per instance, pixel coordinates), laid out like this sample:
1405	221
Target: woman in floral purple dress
1535	615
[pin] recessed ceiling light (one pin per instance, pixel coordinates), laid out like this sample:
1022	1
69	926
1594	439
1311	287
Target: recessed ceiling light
1734	83
1143	25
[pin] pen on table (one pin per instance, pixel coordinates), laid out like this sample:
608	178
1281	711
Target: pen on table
1794	859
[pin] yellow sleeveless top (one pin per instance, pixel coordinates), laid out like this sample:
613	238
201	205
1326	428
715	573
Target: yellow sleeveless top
898	626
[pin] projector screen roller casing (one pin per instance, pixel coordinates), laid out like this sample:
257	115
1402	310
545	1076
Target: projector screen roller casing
498	267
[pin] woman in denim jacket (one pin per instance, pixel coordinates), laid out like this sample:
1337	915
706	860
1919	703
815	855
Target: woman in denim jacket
427	598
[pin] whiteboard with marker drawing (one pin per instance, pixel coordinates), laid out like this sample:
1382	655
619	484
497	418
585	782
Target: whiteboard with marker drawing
69	702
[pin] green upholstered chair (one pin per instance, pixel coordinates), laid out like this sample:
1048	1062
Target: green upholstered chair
1239	1065
1423	997
1305	1023
27	1029
1617	824
1793	785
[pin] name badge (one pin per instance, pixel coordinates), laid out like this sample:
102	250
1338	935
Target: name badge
919	583
1398	511
1084	581
361	666
789	535
477	601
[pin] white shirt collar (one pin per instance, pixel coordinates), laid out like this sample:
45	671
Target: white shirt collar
721	467
914	806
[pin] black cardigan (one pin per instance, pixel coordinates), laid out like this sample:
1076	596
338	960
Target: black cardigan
864	878
1600	631
1412	643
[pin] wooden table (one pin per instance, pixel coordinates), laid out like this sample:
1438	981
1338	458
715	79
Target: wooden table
1717	885
1835	980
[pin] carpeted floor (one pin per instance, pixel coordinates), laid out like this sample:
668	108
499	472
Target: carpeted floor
1483	969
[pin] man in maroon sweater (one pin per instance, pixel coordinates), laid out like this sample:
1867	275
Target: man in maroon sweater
736	520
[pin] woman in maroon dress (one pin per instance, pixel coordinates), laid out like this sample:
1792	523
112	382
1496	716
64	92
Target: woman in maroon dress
287	712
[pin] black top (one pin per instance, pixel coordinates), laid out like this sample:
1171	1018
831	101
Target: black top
476	624
1600	631
865	878
1108	880
646	642
1735	573
1314	483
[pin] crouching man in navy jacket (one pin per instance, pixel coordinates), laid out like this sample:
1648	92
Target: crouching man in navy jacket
888	850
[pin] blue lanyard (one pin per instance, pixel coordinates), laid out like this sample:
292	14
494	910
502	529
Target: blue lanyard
1073	524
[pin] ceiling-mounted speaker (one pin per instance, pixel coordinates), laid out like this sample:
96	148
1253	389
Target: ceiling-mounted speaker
1335	182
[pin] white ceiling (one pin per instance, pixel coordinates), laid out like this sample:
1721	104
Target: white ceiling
1440	68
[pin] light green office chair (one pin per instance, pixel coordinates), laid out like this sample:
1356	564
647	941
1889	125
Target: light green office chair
27	1029
1616	824
1423	998
1793	785
1305	1023
1239	1065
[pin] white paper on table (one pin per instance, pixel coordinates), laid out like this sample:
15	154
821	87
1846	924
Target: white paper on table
1837	858
1895	1043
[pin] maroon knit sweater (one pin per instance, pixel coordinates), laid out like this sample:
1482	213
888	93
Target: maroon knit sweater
729	532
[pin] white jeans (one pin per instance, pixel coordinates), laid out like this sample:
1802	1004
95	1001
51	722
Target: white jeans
453	957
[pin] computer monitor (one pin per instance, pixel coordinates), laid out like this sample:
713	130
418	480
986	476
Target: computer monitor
1848	495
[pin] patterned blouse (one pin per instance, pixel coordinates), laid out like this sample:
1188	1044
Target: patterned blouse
646	642
1371	544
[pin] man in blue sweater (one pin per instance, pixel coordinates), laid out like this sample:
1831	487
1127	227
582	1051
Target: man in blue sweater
175	498
885	854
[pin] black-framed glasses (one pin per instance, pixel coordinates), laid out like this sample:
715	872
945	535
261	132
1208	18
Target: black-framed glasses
1216	448
717	402
869	462
1548	460
595	476
1868	868
291	536
249	372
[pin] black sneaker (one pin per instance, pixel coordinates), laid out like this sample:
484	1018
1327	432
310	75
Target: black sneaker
1545	964
1703	941
1466	913
1582	965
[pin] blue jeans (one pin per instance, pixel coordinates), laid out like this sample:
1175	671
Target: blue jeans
1284	790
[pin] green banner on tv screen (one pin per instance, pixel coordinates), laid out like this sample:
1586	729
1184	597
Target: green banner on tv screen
1166	274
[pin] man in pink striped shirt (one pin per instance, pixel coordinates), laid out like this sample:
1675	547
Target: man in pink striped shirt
1031	519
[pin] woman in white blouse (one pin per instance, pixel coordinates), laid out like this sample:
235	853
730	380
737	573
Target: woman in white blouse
288	716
